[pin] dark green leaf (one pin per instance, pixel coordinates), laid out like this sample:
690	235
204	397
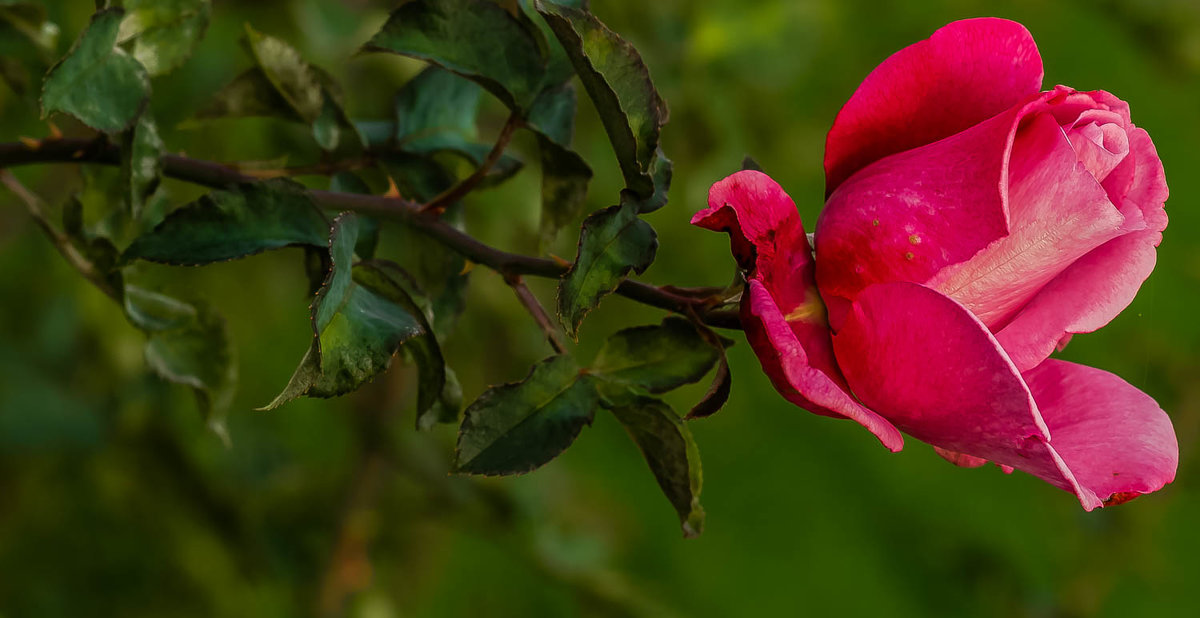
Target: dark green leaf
668	447
662	184
248	95
435	101
368	234
619	83
717	394
558	67
657	358
517	427
748	163
395	285
474	38
565	175
187	344
141	162
612	242
226	225
98	83
359	320
164	32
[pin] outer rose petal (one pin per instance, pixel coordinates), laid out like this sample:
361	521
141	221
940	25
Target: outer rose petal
799	377
967	72
908	216
932	368
782	313
1114	438
1081	299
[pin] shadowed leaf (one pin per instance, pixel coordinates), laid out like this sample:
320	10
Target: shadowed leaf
669	449
619	83
357	327
187	344
96	82
517	427
656	358
226	225
474	38
612	242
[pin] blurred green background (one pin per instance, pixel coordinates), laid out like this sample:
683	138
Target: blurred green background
116	501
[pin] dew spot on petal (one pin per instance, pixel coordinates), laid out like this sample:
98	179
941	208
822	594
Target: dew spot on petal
908	256
914	239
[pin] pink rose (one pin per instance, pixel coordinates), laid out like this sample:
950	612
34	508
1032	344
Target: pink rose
973	224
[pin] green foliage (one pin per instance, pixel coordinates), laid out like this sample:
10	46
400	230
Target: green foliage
515	428
618	81
141	162
230	224
668	447
28	21
97	82
474	38
187	344
283	85
613	242
161	34
656	358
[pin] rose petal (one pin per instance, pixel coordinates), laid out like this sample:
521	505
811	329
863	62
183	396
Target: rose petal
803	379
1138	185
908	216
1081	299
926	364
782	314
1114	438
967	72
1057	214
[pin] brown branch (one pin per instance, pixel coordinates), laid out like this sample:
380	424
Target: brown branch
457	192
60	240
537	311
218	176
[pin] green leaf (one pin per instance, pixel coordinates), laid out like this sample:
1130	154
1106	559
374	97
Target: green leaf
517	427
293	78
662	184
558	67
436	101
250	94
96	82
565	175
141	162
474	38
656	358
327	127
368	234
226	225
435	403
612	242
668	447
619	83
164	32
187	344
360	317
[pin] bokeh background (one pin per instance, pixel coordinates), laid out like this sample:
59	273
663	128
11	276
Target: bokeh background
116	501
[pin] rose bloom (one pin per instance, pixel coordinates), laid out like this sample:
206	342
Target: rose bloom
973	224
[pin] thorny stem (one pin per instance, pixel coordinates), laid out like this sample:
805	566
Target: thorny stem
537	311
61	242
218	176
458	191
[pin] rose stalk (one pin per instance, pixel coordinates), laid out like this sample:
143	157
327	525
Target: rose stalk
973	224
